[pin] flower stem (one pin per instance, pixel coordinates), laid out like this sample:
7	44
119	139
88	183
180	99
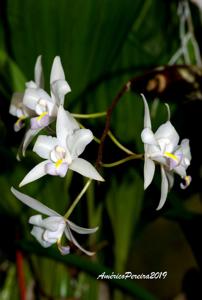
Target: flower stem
118	144
90	116
122	161
76	201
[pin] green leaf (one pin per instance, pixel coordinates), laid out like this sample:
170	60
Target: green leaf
124	202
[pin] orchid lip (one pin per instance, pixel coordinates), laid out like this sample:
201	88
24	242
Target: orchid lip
42	116
170	155
19	123
64	250
188	180
58	163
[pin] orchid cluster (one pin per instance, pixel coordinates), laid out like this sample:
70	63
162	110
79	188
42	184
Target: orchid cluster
61	152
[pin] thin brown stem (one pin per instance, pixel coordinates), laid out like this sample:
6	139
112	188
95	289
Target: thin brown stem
110	110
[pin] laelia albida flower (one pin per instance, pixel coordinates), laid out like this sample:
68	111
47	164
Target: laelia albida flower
50	230
17	106
61	152
46	106
162	148
36	103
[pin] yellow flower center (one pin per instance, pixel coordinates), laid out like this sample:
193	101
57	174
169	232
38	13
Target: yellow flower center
42	115
23	117
170	155
58	163
187	180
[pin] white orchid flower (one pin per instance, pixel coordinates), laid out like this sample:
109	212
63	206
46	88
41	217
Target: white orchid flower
61	152
17	107
44	106
162	147
50	230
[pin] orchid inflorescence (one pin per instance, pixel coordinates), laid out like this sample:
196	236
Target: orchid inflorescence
61	152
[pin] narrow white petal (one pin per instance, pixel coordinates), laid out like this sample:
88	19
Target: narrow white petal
148	137
38	73
77	142
65	125
147	119
164	188
84	168
170	177
29	135
44	145
81	230
33	203
37	172
70	236
57	71
149	169
168	110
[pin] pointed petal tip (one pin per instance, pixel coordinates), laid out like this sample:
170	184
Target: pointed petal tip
20	184
160	206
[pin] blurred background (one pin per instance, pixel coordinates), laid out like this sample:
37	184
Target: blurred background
102	45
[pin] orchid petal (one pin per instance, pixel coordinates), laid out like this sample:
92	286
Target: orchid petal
64	250
38	73
149	169
186	149
36	220
38	233
57	71
81	230
169	136
70	236
180	170
53	235
36	123
147	119
65	125
37	172
16	100
164	188
32	96
170	177
60	88
51	223
44	145
29	135
33	203
84	168
168	110
31	85
77	142
51	169
148	137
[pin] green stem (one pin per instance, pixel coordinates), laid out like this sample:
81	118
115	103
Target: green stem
119	145
76	201
90	116
122	161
